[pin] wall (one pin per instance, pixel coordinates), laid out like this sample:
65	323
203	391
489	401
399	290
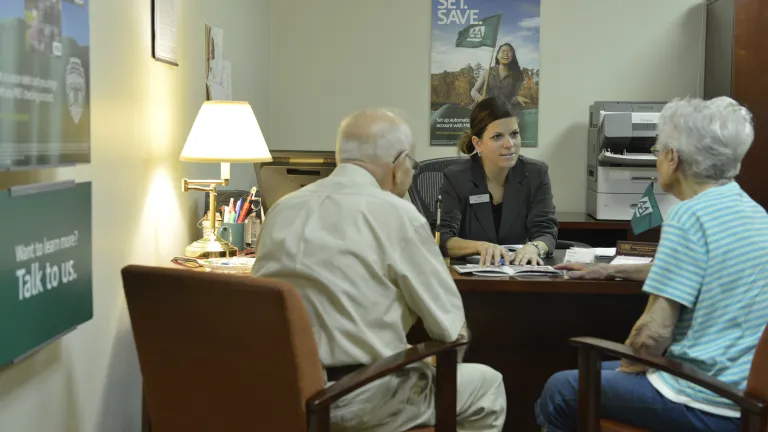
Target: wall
142	112
332	57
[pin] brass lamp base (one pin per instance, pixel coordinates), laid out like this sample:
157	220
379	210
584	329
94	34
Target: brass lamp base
210	247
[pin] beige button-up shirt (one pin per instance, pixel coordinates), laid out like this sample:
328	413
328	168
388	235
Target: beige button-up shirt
365	264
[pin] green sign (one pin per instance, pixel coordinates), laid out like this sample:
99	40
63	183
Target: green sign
45	265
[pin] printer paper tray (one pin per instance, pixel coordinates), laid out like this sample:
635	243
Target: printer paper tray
632	159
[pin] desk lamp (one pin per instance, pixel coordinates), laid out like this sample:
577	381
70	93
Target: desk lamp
223	132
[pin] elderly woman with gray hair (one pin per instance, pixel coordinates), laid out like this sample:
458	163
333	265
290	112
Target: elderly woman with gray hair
707	286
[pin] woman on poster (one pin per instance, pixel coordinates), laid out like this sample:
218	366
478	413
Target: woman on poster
505	78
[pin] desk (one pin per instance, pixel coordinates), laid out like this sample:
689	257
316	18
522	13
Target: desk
521	328
581	227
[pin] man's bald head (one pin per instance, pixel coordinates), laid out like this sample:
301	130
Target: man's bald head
375	136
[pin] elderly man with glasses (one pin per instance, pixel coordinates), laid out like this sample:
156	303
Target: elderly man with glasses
366	266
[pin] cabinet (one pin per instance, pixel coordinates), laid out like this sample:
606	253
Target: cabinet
736	61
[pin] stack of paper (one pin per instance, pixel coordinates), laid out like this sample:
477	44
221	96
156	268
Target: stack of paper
605	252
622	259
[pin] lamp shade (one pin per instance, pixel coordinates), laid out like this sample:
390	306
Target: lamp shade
225	131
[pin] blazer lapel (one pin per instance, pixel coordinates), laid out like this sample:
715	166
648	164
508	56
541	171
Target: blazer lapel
514	198
482	211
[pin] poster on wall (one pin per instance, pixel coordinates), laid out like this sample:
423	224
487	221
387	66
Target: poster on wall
46	271
483	48
45	113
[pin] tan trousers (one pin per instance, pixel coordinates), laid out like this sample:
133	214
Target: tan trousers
406	399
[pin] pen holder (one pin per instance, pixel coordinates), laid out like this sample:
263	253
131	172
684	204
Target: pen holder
234	233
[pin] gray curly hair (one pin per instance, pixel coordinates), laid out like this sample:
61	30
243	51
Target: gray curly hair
711	137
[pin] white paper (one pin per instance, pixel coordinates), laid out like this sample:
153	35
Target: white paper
605	252
580	255
622	259
216	53
223	90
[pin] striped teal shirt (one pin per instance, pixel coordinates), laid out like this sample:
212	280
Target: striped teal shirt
713	260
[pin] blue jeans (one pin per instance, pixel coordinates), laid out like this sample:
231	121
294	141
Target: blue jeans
626	398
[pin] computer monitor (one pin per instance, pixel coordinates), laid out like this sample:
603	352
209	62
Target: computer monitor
291	170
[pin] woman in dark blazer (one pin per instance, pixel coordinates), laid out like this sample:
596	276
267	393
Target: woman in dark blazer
497	196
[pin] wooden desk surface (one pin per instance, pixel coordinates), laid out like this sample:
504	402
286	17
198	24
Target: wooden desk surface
544	286
521	327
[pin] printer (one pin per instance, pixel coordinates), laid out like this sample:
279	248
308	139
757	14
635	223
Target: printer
620	164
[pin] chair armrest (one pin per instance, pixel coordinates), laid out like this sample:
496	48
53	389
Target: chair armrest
678	369
365	375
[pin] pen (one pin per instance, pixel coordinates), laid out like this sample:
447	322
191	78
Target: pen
247	206
237	208
230	210
437	228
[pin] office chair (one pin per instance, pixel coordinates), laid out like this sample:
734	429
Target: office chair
223	352
753	402
427	182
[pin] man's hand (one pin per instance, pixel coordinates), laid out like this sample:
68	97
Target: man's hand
527	255
587	271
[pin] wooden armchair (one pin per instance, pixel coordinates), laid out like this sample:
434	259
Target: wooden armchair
753	402
233	353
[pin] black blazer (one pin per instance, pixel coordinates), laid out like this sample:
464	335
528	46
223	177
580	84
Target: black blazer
528	212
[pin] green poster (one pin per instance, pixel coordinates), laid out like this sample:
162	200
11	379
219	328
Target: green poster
480	49
45	99
45	266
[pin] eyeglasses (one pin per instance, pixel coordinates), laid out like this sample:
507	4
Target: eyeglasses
186	262
655	151
414	163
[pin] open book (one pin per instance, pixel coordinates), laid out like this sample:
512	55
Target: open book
507	270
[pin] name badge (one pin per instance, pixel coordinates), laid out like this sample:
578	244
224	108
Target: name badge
477	199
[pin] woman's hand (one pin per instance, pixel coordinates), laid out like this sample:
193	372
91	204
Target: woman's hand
527	255
491	254
632	367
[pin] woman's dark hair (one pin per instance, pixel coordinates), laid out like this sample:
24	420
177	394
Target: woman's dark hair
485	112
514	65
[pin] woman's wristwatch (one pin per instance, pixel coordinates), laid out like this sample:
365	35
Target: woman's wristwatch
542	254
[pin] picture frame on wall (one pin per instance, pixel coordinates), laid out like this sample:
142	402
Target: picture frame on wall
165	31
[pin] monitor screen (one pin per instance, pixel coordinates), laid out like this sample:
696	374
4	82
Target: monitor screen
291	170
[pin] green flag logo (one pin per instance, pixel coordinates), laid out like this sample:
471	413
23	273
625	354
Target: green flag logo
647	214
643	207
481	34
476	34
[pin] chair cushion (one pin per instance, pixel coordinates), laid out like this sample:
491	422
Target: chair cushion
614	426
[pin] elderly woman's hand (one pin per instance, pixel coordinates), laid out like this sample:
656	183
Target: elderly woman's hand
586	271
491	254
527	255
629	367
